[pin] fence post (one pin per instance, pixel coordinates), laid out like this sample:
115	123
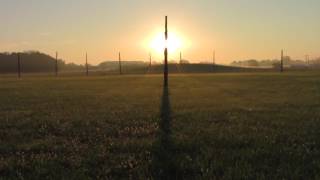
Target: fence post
213	59
19	66
56	65
281	63
87	66
120	68
150	59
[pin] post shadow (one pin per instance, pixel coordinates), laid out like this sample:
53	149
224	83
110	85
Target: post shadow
164	165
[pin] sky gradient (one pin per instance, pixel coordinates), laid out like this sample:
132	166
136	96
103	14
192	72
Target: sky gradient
236	29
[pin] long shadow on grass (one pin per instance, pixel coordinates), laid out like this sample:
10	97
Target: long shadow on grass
163	162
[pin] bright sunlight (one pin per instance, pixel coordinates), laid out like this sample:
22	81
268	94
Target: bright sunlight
174	43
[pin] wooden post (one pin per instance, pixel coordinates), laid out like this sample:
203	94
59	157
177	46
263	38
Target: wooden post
308	60
281	63
150	59
19	66
120	68
213	59
56	67
166	54
87	66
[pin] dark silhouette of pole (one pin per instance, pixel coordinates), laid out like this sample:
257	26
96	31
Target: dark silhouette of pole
180	57
281	63
308	60
120	68
19	66
150	59
87	65
56	67
213	59
166	54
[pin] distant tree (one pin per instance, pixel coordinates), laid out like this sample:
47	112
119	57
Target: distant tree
267	62
276	65
32	61
287	60
253	62
185	61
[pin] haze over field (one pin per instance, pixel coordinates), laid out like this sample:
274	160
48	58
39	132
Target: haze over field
240	29
159	89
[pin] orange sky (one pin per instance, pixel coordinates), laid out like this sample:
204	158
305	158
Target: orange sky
237	30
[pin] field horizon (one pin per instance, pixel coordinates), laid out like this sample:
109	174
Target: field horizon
159	90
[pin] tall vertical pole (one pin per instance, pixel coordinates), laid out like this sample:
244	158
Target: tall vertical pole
56	67
308	60
281	63
19	66
166	54
150	59
87	65
213	59
180	57
120	68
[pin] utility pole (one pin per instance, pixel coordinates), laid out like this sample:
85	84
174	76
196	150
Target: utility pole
120	68
308	60
87	66
56	67
180	57
150	59
213	59
19	66
166	54
281	63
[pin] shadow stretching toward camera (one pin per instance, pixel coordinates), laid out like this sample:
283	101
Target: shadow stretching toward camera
164	165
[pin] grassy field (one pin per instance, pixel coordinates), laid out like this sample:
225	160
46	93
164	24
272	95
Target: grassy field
205	126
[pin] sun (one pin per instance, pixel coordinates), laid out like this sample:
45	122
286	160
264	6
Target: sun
174	43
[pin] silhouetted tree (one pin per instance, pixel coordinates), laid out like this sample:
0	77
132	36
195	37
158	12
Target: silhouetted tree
33	61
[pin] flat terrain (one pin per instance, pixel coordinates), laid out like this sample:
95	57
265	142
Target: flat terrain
205	126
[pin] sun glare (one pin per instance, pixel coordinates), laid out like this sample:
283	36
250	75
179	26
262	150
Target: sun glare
173	43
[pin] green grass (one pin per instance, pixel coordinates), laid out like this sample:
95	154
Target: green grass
220	126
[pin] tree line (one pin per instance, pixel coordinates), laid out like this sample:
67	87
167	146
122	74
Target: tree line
287	61
34	61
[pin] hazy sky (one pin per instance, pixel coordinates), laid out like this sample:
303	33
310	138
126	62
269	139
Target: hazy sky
237	29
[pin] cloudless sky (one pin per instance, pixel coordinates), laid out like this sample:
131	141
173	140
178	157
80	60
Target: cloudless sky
236	29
